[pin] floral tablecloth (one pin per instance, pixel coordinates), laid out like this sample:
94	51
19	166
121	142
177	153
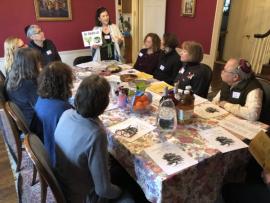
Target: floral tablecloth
199	183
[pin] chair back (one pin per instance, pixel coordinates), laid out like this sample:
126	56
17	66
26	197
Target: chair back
17	115
82	59
3	97
40	158
209	75
2	76
265	112
11	136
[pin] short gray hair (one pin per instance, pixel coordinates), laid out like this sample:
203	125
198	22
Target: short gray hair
31	30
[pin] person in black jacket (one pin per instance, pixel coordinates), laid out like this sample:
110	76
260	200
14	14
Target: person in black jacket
169	62
38	41
193	73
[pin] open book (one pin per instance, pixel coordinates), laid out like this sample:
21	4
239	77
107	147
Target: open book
260	150
92	37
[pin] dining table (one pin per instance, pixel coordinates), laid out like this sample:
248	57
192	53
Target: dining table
211	167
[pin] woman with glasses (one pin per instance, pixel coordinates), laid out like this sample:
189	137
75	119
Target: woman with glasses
45	46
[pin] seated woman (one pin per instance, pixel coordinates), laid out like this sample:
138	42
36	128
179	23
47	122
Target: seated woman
54	89
21	85
81	146
193	73
148	57
11	44
169	62
111	38
38	41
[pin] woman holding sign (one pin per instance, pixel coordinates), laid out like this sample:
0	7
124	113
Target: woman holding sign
111	38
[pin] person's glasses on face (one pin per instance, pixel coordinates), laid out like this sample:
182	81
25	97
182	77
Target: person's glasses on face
38	32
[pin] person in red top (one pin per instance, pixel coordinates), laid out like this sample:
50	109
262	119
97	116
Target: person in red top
148	57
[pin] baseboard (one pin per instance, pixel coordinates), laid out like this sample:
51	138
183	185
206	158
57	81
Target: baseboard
66	56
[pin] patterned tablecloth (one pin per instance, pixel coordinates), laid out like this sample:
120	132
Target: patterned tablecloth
198	183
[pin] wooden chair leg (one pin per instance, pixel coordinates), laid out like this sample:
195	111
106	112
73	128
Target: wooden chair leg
34	175
43	189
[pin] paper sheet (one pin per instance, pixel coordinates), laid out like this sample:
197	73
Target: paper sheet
92	66
240	126
199	100
144	76
222	140
209	110
158	87
142	128
260	150
169	157
125	66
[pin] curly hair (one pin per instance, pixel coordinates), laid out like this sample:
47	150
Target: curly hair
55	81
155	40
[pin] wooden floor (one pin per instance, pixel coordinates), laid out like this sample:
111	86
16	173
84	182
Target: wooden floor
7	185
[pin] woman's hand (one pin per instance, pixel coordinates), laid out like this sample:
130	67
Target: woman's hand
95	46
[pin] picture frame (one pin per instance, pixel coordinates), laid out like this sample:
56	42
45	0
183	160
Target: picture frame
53	10
188	8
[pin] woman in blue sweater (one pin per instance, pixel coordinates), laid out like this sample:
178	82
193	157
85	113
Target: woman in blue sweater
54	89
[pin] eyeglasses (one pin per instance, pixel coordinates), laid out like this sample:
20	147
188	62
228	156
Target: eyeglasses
225	71
38	32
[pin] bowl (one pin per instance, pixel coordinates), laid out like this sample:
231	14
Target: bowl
128	77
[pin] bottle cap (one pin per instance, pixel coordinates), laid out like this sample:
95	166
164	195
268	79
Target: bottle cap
186	92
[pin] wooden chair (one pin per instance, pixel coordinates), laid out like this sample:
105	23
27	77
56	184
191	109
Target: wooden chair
21	124
40	158
265	112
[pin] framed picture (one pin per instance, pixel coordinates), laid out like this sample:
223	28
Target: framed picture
53	10
188	8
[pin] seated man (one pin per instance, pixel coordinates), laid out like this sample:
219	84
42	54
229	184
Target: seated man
241	94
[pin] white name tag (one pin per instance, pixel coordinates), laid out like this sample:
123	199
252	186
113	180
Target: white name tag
49	52
140	54
162	67
107	37
182	70
236	95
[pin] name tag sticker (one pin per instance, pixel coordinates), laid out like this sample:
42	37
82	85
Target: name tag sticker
140	54
236	95
182	70
49	52
162	67
107	37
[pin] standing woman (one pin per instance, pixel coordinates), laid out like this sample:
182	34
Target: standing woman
10	46
38	41
111	38
21	85
148	57
169	63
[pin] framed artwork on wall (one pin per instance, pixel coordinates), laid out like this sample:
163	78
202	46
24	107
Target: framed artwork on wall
53	10
188	8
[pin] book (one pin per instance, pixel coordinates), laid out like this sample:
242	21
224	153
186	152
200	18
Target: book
260	149
92	37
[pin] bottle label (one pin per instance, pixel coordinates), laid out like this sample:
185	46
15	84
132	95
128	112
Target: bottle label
184	115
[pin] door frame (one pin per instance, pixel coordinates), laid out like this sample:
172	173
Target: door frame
210	58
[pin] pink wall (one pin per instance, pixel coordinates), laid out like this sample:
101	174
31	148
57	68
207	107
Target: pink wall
198	28
66	34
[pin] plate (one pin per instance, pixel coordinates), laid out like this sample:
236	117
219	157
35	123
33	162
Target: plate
128	77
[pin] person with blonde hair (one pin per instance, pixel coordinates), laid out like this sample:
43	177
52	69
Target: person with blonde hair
10	46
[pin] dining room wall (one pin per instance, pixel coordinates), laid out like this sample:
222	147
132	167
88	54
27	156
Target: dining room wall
66	35
198	28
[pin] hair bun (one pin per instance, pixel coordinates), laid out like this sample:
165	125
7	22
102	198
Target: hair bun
245	66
